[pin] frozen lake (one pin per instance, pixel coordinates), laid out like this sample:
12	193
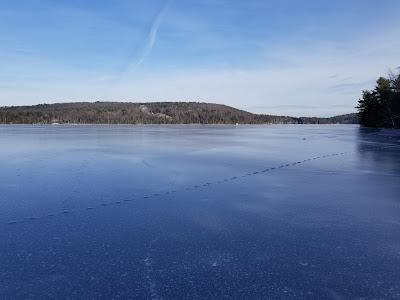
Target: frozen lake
199	212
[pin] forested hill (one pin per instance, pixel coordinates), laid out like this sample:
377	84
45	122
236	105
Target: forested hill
147	113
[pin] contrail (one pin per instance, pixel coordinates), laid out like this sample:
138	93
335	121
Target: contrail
152	36
132	63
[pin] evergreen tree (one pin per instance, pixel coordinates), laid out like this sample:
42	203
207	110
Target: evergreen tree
381	106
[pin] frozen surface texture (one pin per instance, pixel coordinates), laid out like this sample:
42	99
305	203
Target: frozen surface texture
199	212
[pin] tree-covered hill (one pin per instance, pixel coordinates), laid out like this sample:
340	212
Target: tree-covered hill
147	113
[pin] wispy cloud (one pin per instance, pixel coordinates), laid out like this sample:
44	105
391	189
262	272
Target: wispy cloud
351	86
152	36
134	60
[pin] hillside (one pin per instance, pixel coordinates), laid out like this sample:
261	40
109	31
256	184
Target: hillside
148	113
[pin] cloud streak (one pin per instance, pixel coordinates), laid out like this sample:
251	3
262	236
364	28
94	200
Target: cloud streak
152	36
134	61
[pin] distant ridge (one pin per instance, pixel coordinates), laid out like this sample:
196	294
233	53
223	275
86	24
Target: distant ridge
150	113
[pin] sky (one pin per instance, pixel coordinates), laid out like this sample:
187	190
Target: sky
287	57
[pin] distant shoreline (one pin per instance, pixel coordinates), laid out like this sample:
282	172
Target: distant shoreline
172	125
128	113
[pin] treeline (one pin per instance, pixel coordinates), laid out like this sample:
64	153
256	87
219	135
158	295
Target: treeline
380	107
341	119
148	113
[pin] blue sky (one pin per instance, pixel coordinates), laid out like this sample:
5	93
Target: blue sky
281	57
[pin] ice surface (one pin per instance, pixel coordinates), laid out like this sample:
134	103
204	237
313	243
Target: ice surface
199	212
